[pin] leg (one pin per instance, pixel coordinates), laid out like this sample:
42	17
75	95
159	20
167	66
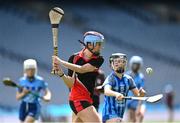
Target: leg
89	114
33	112
29	119
22	112
170	119
96	102
131	115
114	120
76	119
140	113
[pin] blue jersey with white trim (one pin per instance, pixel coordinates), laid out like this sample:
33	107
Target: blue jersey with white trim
36	85
123	85
138	79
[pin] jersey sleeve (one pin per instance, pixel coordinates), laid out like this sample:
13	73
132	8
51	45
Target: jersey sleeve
109	81
132	84
70	72
97	62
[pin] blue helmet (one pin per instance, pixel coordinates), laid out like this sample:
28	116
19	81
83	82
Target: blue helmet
93	37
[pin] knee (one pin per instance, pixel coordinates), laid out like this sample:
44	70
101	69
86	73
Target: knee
140	114
119	120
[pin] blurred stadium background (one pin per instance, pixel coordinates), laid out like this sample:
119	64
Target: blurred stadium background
150	29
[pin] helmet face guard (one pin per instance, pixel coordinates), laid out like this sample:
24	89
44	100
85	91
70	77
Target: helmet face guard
117	55
122	56
94	38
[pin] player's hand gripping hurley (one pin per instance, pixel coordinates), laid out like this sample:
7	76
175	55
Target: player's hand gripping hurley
55	16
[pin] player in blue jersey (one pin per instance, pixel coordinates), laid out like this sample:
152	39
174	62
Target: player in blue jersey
116	86
33	87
136	109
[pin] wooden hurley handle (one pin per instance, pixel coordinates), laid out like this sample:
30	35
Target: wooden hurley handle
55	16
55	42
55	38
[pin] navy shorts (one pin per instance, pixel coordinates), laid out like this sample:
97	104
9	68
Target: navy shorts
29	109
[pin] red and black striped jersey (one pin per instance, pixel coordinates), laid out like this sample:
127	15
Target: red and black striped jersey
87	79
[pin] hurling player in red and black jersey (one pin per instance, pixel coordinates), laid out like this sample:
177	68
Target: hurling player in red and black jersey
83	67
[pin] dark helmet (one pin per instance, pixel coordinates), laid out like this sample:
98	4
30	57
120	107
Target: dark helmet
117	55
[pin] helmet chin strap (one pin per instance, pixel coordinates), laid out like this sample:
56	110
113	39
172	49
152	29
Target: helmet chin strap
94	53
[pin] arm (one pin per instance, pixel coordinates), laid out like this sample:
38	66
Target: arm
47	96
134	89
135	92
141	92
68	80
108	89
20	95
77	68
109	92
80	69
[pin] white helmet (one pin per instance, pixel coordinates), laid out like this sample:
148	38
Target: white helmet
30	64
168	88
136	59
